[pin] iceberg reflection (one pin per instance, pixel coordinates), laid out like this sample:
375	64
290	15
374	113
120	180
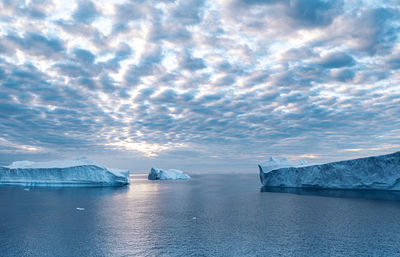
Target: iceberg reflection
338	193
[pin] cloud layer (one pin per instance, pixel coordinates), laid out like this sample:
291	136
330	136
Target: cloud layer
201	85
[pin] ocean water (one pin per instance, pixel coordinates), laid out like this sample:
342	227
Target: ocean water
210	215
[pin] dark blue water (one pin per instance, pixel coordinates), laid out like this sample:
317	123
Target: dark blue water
210	215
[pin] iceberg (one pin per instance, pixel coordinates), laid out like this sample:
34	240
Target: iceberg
170	174
79	172
376	172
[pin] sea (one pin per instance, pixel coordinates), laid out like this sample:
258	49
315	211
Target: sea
209	215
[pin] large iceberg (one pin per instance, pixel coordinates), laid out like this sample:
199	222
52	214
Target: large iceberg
79	172
377	172
170	174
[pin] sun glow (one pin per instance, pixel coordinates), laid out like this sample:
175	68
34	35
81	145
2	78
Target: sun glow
148	149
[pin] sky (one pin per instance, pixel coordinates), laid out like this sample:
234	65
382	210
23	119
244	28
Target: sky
203	86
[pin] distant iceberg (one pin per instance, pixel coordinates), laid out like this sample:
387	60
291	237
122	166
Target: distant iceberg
377	172
79	172
171	174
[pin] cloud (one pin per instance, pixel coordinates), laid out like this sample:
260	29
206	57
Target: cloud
377	33
186	61
220	82
336	60
343	75
289	16
86	12
169	32
393	60
35	44
310	13
84	56
368	30
71	70
129	11
35	9
188	12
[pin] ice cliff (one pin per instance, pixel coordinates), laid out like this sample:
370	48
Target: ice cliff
79	172
377	172
170	174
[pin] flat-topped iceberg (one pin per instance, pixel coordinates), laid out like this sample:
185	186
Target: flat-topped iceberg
377	172
170	174
79	172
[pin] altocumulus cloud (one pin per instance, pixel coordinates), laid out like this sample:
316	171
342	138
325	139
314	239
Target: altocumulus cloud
199	85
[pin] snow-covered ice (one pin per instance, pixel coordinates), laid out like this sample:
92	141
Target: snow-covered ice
274	163
377	172
170	174
79	172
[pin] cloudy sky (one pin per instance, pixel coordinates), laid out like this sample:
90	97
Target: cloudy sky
205	86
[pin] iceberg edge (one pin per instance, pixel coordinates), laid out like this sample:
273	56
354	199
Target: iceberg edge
79	173
376	172
170	174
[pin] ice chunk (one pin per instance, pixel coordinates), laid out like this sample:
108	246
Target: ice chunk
170	174
79	172
377	172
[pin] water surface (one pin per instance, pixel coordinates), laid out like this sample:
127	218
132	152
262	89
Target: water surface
210	215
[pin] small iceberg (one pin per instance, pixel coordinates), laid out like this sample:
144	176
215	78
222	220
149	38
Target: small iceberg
376	172
171	174
79	172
